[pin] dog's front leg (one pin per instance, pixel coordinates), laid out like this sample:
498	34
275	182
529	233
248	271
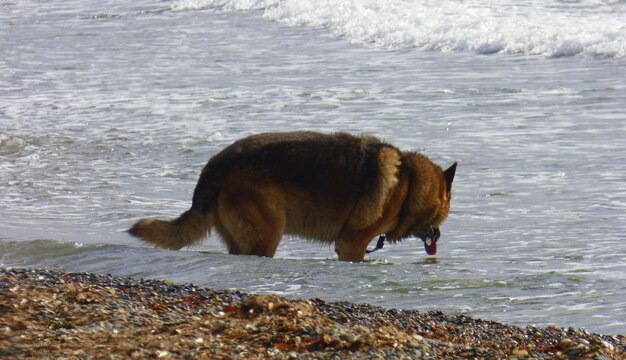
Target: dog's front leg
351	249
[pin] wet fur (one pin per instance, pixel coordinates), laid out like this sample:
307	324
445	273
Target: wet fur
330	188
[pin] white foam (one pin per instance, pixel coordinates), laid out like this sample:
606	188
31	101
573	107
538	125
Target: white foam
225	5
547	28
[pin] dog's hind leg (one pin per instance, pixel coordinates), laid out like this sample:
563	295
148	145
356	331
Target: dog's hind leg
249	224
268	225
231	245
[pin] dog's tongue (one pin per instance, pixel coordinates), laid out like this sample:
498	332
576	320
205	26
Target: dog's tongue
432	248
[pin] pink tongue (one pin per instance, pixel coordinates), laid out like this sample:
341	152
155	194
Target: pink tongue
431	249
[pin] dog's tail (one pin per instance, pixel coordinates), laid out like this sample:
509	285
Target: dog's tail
190	227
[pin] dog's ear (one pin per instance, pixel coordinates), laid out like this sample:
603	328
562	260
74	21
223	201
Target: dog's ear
449	175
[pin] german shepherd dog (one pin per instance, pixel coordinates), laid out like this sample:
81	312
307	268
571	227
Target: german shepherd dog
336	189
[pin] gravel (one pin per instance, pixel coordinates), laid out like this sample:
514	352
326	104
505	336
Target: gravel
52	314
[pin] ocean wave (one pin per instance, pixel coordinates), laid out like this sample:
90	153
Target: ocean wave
14	145
551	28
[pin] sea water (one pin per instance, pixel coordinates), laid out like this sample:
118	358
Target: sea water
109	110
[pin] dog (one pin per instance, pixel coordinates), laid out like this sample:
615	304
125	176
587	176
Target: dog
336	189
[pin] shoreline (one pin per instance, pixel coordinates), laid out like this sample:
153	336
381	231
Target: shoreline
52	314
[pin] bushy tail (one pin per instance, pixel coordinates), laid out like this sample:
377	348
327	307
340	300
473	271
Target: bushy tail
189	228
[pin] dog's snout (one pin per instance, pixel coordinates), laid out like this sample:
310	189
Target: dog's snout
433	233
430	233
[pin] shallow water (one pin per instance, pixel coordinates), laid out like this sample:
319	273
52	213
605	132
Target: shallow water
108	112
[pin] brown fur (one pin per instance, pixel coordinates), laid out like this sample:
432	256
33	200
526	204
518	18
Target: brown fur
331	188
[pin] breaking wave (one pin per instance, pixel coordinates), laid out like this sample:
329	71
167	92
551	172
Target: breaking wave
546	28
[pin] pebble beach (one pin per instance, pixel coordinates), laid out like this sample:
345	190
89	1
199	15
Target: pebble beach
54	314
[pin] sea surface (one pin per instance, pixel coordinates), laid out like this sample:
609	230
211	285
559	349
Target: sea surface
109	110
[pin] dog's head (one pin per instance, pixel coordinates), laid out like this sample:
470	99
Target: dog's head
429	204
